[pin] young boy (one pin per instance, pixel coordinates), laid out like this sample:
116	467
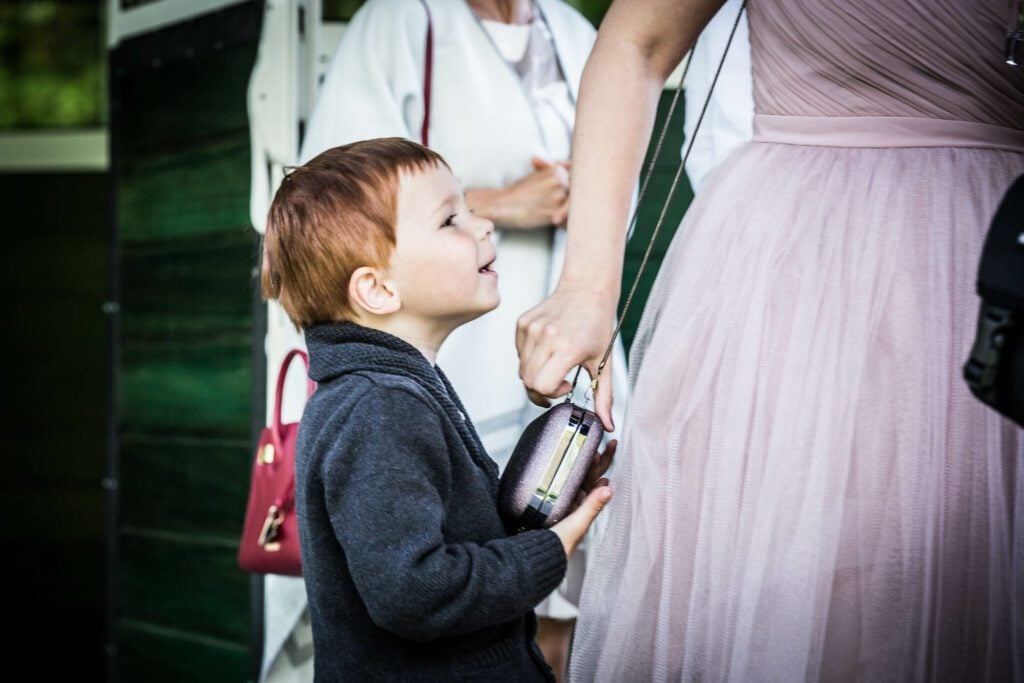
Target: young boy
410	573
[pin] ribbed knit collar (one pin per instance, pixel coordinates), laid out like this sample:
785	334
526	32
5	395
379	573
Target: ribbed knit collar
340	348
337	349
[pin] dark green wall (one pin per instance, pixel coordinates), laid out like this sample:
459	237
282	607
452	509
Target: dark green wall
54	384
187	254
657	192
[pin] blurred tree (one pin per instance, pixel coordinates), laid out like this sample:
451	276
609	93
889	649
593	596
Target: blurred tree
52	64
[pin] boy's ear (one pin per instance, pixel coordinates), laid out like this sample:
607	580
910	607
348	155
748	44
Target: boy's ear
369	290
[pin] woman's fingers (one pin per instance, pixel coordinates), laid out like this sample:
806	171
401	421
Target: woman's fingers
531	335
538	399
548	376
561	173
533	200
534	350
569	328
541	353
561	215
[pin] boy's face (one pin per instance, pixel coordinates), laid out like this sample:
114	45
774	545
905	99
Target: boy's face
443	257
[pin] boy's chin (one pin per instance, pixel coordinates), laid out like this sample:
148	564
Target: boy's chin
483	309
488	307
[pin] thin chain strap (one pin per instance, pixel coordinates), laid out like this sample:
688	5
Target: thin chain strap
668	199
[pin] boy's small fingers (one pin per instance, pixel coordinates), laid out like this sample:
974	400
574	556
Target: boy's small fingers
603	457
602	461
598	498
609	455
580	519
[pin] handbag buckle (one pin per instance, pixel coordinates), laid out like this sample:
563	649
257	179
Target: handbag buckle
560	463
271	530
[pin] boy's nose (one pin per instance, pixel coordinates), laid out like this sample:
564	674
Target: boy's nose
485	226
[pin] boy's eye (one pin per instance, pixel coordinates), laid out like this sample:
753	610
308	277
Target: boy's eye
449	222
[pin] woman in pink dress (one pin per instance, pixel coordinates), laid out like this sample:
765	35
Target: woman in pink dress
805	489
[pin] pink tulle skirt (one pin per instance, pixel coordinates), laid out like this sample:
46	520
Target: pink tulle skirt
806	489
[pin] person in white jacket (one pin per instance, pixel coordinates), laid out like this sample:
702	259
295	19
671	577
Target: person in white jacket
503	82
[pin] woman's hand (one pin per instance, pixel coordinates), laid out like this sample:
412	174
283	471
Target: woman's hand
536	200
638	46
571	327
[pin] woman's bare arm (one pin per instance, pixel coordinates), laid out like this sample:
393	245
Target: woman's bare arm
639	44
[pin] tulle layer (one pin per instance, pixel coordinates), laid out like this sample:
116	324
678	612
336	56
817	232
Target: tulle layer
806	489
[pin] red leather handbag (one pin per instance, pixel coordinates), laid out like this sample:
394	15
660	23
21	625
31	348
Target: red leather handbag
270	537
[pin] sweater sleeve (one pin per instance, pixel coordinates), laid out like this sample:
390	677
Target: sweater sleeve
387	485
374	85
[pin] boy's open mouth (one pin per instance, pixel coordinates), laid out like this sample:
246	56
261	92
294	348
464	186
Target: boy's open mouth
488	267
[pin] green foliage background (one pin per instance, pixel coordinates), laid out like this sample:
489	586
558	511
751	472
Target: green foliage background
52	64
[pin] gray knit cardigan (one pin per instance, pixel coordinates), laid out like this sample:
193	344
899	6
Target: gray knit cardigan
410	573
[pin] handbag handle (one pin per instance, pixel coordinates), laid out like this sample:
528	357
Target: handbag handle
428	70
282	375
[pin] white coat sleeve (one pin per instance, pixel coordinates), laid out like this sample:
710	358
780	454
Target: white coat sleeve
374	84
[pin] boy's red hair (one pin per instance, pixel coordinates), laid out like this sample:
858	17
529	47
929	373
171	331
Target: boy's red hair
329	217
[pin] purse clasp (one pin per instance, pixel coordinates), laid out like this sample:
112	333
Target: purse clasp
271	530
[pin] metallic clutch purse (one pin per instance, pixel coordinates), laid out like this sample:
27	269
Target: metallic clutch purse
548	466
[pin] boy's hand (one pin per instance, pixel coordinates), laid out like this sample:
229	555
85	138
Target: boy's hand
594	495
598	467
